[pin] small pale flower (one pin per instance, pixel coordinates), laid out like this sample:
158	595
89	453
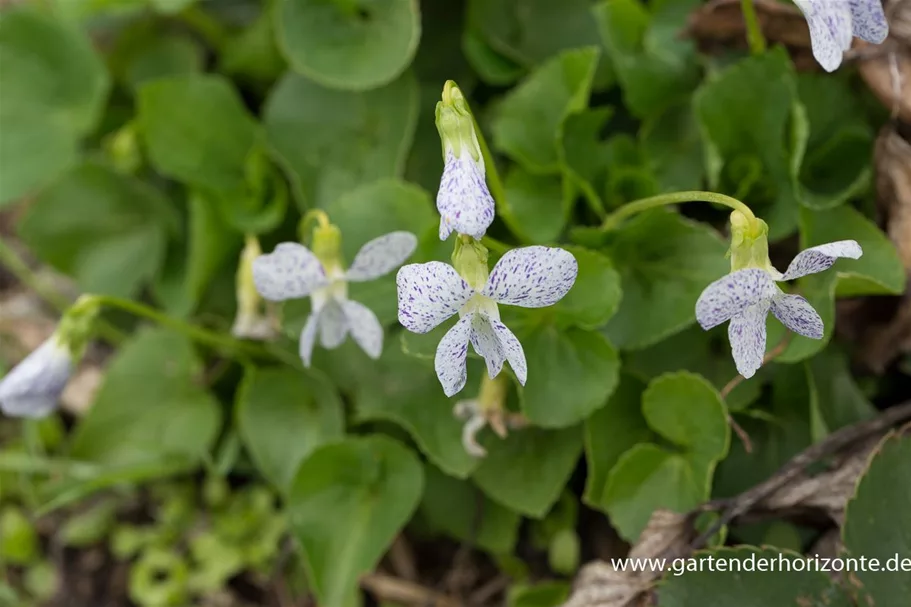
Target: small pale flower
833	24
429	293
746	296
292	271
463	200
33	387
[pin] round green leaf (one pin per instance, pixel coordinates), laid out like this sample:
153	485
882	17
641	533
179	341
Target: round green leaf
744	577
346	504
52	90
333	141
528	469
457	508
878	524
105	229
197	130
688	412
666	263
283	415
571	374
349	44
150	405
535	203
596	293
407	392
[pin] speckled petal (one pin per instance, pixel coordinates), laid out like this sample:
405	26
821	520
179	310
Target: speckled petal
747	334
830	30
487	344
365	328
451	357
513	350
731	294
868	20
308	339
381	256
33	387
429	293
532	277
463	200
291	271
818	259
333	326
798	315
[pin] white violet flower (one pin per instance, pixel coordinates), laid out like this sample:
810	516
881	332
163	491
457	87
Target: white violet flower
429	293
292	271
33	387
833	24
745	297
463	200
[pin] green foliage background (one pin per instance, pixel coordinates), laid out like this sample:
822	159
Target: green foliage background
143	138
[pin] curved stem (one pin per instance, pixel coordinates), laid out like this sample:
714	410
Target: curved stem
500	248
27	277
638	206
217	341
754	31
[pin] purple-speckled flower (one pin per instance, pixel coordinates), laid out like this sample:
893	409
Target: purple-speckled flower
833	23
34	386
292	271
745	297
429	293
463	200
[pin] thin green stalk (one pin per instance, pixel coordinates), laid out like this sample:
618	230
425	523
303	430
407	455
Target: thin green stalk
27	277
754	31
217	341
638	206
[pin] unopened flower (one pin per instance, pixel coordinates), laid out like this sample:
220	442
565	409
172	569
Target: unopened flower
429	293
33	387
745	297
463	200
293	271
469	411
833	24
250	322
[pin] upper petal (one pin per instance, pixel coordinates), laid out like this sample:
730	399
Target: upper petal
333	325
365	328
428	294
512	349
798	315
463	200
487	344
451	356
817	259
747	334
291	271
830	30
532	277
381	256
308	338
731	294
868	20
33	387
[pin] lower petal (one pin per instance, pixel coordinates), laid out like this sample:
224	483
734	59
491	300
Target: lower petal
747	333
487	344
830	30
732	294
868	20
451	357
798	315
365	328
512	349
308	338
333	327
